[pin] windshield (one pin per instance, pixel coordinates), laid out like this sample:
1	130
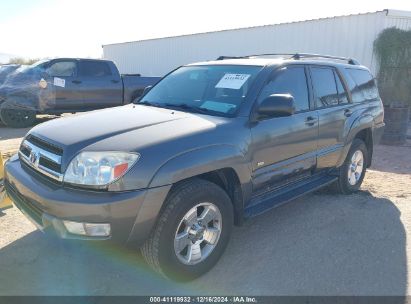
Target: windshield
210	89
39	65
7	68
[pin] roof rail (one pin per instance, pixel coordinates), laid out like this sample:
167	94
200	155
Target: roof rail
308	55
231	57
296	56
251	56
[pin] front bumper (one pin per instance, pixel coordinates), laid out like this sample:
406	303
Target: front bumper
131	214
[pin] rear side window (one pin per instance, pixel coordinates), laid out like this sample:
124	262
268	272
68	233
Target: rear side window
62	69
362	85
95	69
324	86
289	80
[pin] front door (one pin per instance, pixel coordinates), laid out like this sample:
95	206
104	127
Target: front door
65	87
284	148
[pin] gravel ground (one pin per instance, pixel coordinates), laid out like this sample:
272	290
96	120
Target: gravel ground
321	244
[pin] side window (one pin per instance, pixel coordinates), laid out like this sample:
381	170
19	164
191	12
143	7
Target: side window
324	86
356	94
62	69
342	93
289	80
365	88
95	68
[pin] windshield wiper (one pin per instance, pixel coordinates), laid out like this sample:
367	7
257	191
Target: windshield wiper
150	104
184	106
181	106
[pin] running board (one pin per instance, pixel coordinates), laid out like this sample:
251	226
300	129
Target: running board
265	202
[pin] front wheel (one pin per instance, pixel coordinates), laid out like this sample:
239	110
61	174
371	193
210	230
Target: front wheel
352	172
192	231
17	118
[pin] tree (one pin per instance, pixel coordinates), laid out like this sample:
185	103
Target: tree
21	60
393	50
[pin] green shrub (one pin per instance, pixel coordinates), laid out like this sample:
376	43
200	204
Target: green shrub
393	51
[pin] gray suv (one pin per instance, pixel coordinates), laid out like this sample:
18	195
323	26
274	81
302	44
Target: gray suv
210	145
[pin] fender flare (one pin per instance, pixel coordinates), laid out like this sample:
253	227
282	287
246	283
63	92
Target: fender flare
362	122
202	160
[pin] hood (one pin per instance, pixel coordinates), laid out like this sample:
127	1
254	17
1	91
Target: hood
125	128
19	80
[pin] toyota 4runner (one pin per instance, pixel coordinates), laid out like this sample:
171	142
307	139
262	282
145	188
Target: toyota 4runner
210	145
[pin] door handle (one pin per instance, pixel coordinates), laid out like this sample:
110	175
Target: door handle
347	112
76	81
115	81
310	120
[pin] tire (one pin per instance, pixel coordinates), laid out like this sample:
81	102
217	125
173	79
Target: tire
17	118
159	250
345	184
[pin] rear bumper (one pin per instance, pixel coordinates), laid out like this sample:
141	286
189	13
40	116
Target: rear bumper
131	214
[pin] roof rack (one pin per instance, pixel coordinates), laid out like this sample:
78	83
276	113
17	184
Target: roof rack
308	55
231	57
296	56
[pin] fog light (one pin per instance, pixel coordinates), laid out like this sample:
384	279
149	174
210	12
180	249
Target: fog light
88	229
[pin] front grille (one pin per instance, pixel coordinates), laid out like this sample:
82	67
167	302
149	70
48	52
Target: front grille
50	164
23	203
44	145
42	156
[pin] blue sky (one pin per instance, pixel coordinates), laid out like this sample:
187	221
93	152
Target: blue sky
78	28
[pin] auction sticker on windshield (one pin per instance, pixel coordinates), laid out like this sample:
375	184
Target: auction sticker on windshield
232	81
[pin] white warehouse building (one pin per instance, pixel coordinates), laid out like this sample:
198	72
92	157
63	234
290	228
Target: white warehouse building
347	36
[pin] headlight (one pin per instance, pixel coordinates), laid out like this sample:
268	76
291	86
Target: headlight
99	168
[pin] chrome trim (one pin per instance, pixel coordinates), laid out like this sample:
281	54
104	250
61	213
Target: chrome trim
34	163
50	156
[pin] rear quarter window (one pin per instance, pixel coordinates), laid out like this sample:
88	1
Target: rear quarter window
362	85
95	69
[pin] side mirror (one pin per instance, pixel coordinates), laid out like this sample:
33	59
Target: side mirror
276	105
146	90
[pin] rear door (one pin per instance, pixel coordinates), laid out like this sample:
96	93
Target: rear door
101	87
333	107
284	148
66	87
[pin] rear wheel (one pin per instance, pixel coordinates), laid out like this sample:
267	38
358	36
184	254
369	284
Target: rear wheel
17	118
352	172
192	232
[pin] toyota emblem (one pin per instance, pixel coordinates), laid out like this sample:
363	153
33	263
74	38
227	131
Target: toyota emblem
33	157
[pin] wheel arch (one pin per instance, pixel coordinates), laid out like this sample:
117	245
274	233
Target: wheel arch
361	128
222	165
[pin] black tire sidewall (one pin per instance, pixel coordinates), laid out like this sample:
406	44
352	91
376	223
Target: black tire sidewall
12	123
169	262
346	187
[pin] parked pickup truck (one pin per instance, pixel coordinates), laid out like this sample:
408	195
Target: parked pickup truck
210	145
63	85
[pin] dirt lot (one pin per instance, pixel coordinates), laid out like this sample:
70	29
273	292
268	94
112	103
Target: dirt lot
322	244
